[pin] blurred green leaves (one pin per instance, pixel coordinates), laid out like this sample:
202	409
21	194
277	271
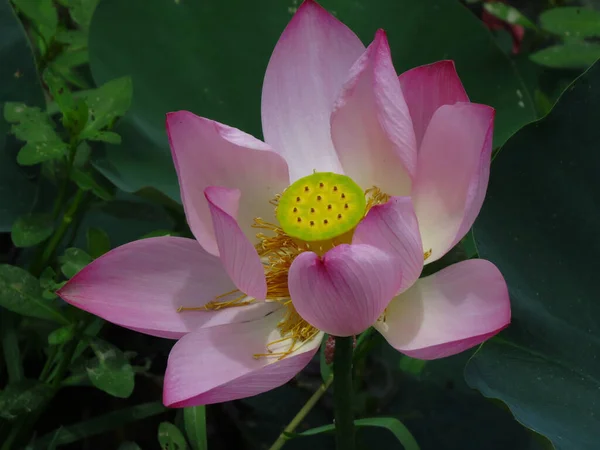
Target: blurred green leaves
110	371
31	229
170	438
540	224
24	397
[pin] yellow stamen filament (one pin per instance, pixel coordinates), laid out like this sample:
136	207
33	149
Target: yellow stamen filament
215	305
427	254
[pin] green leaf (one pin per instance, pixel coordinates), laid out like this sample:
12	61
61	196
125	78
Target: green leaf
508	14
570	55
106	103
540	225
215	87
571	22
14	112
31	229
72	57
82	11
411	365
61	335
98	242
76	39
48	284
20	292
43	15
22	398
170	438
72	261
391	424
194	419
10	346
37	152
110	371
87	182
97	425
19	83
74	111
106	136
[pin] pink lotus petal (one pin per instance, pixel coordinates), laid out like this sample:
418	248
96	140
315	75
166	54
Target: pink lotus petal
448	312
207	153
371	126
393	227
344	292
428	87
140	286
216	364
306	71
238	255
452	174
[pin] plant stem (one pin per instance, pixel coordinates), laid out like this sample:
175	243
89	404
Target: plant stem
56	238
298	418
342	393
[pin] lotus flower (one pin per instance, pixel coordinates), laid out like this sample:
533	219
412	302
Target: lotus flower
323	228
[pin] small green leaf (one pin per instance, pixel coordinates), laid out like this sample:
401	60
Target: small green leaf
391	424
24	397
31	229
74	38
570	55
37	152
194	419
106	103
82	155
20	292
87	182
571	22
98	242
508	14
411	365
110	371
72	57
10	346
106	136
43	15
48	285
73	260
14	112
61	335
170	438
74	111
82	11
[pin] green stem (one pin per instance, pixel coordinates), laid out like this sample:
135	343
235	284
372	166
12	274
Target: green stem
342	393
298	418
62	192
56	238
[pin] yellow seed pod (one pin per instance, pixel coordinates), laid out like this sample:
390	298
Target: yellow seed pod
321	206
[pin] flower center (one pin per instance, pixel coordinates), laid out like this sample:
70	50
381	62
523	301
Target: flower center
320	207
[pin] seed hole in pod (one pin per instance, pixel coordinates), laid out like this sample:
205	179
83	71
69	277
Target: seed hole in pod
339	216
335	188
312	210
306	189
329	206
319	198
298	199
295	210
299	219
325	222
321	184
343	195
312	223
346	206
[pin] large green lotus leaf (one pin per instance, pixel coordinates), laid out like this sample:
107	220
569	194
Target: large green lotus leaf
18	83
210	57
540	224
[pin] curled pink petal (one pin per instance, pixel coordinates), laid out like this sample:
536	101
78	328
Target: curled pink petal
344	292
448	312
306	71
238	255
217	364
452	174
371	126
207	153
428	87
393	227
142	284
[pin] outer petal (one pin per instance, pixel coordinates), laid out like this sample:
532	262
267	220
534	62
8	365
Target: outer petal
371	126
234	373
393	227
428	87
207	153
452	174
344	292
238	255
141	285
306	71
448	312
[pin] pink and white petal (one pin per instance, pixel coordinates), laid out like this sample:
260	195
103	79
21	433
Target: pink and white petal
452	172
207	153
142	284
344	292
306	71
448	312
371	126
428	87
234	372
393	227
238	255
